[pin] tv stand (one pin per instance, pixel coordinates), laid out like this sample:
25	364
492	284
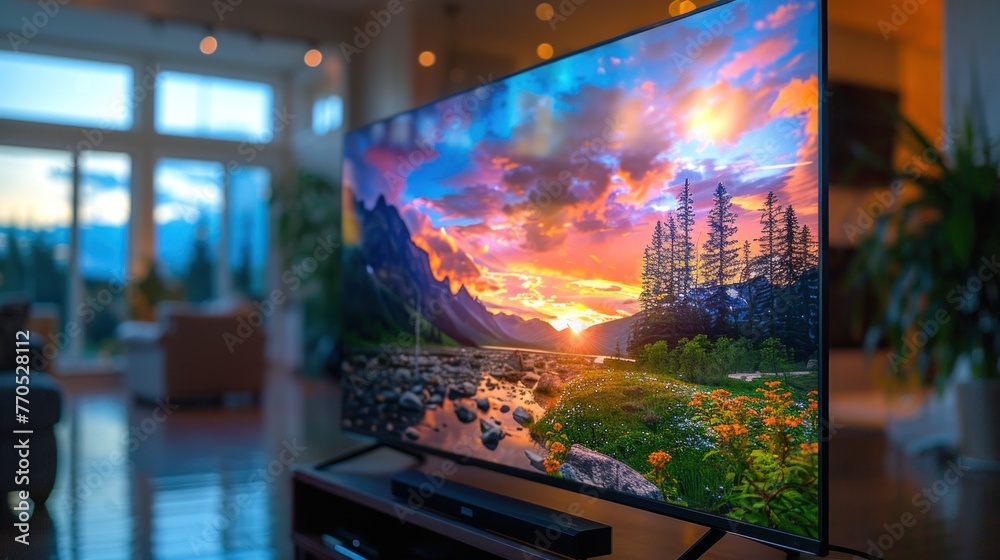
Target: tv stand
712	537
352	494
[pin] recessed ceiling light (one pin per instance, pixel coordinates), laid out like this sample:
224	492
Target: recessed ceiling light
208	44
313	58
681	7
545	51
545	11
427	59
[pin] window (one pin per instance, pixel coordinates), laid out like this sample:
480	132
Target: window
327	115
105	208
65	91
212	107
249	194
35	222
188	218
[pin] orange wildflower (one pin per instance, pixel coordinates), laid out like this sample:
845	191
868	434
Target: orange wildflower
659	459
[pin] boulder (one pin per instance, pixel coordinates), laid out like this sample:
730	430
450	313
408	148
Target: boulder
513	375
535	460
465	414
530	379
549	384
505	409
522	416
411	401
483	404
586	466
491	438
467	389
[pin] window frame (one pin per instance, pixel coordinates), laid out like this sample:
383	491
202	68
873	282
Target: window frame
145	147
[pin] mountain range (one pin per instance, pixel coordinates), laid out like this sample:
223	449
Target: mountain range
392	270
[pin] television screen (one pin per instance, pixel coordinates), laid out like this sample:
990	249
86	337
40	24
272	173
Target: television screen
603	272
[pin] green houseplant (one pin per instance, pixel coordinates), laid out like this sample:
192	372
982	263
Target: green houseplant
307	207
932	258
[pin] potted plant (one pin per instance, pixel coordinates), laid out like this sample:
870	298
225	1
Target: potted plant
308	231
932	258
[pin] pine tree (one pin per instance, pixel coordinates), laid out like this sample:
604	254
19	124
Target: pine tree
808	259
769	239
647	297
746	263
789	264
721	251
658	266
685	245
653	281
670	258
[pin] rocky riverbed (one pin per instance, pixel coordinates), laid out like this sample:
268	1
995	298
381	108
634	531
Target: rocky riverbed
477	402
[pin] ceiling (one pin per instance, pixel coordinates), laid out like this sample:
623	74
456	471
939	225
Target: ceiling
507	29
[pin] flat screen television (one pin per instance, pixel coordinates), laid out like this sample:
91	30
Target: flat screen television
606	272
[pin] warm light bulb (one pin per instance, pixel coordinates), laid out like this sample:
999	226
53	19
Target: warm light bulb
313	58
681	7
545	11
208	44
545	51
427	59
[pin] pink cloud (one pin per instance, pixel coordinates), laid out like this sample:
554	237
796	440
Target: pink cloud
783	15
760	56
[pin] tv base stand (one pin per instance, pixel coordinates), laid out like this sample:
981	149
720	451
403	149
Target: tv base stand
349	498
713	536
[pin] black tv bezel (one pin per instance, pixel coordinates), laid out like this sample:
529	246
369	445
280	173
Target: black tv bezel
765	535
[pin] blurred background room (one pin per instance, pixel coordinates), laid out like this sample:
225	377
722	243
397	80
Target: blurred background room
170	223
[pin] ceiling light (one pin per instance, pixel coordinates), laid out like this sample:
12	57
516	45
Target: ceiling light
681	7
427	59
208	44
313	58
545	11
545	51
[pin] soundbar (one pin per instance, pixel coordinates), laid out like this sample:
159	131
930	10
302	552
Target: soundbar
538	526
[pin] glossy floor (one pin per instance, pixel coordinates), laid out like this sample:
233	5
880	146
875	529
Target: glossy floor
194	482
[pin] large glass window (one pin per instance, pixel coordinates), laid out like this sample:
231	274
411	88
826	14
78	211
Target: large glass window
65	91
249	192
35	221
213	107
105	208
327	115
188	217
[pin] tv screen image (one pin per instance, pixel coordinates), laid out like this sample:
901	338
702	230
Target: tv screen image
605	271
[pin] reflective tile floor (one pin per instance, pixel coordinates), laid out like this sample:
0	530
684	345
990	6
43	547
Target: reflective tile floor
143	482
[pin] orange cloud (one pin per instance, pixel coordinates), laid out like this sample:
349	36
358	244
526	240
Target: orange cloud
446	258
800	99
722	113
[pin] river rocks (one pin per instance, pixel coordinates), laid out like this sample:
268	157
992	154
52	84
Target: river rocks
411	401
467	389
522	416
530	379
411	433
464	413
483	404
586	466
491	439
549	384
535	460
